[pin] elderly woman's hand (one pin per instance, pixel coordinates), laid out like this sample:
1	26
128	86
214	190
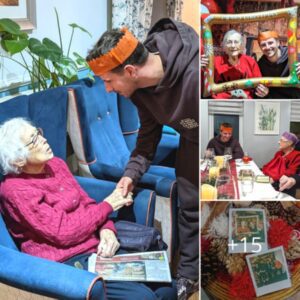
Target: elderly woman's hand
286	183
261	90
109	244
204	61
117	200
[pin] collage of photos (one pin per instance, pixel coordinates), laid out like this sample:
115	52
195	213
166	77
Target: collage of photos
250	150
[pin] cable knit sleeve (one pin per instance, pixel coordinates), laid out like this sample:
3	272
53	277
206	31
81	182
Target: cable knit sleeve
56	224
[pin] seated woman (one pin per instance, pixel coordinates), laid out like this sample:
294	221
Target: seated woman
49	214
285	162
235	65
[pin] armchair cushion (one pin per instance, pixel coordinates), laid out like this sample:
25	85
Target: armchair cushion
46	277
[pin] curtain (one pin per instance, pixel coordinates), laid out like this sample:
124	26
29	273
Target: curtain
174	9
137	14
134	14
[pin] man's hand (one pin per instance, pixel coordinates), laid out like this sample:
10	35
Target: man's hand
261	90
117	200
109	244
126	185
204	61
286	183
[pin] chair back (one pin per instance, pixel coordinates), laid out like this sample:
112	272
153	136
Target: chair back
129	121
101	139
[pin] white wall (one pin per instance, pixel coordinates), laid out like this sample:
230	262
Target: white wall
204	129
260	147
263	147
90	14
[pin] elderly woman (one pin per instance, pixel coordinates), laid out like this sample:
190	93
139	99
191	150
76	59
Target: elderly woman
286	161
234	65
48	213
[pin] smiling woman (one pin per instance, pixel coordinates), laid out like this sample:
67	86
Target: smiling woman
234	65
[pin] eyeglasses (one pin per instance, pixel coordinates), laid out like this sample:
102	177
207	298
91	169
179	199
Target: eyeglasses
34	140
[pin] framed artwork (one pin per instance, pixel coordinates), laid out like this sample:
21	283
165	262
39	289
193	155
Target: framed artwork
269	271
266	118
21	11
208	20
247	230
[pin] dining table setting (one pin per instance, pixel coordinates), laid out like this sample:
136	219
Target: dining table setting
224	178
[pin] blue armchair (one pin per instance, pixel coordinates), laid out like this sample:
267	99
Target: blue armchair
48	110
103	151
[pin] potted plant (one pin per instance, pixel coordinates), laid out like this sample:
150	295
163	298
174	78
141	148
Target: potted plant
46	62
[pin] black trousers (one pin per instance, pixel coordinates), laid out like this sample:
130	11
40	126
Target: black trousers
187	173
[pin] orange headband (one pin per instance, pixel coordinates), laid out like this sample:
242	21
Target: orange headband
116	56
262	36
226	129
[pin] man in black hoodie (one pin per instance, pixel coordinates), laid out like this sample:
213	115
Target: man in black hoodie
274	63
161	78
226	140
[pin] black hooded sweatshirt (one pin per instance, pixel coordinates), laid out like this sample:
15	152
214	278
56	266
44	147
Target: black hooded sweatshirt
278	69
175	100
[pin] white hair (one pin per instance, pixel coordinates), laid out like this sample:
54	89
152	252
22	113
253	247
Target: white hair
12	148
229	33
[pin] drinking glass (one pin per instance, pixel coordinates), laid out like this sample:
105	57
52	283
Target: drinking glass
225	187
247	184
228	153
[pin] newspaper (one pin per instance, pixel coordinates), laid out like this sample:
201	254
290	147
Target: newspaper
142	266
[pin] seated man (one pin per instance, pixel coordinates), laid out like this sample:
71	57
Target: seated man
224	140
50	215
274	63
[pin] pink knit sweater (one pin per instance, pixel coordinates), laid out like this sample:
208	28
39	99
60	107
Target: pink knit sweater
50	216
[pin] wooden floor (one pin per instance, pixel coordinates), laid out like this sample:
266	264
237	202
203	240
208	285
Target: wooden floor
195	296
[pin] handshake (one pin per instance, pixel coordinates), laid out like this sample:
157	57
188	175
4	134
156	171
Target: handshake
117	200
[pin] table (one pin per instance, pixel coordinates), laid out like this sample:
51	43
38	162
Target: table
261	191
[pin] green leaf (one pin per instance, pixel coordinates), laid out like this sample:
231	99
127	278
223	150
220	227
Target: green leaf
15	46
81	62
66	67
10	26
47	50
74	25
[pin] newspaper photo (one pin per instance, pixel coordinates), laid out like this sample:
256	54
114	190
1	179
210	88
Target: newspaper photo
143	266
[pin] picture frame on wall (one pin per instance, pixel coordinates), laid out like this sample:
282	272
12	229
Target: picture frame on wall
266	118
22	11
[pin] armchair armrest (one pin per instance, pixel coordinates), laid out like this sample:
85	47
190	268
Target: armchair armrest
143	205
47	277
154	181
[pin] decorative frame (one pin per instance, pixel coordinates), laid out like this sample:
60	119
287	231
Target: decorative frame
266	118
210	87
28	22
